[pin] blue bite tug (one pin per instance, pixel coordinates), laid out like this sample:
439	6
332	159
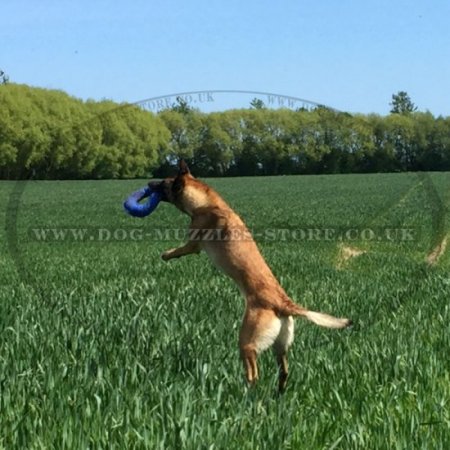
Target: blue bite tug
136	209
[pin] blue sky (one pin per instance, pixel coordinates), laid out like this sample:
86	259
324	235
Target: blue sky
352	55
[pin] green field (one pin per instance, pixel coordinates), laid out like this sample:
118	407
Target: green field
105	346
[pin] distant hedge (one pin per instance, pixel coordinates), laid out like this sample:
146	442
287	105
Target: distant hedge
49	134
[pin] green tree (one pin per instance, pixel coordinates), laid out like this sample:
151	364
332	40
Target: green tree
401	103
184	138
213	154
181	106
400	136
48	134
257	103
3	77
434	140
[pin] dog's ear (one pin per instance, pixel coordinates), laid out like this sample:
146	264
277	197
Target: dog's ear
183	168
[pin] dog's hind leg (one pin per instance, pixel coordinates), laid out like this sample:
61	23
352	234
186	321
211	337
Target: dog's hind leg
248	356
280	348
282	371
259	331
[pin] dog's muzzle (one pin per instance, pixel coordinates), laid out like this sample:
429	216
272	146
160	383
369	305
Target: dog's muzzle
159	187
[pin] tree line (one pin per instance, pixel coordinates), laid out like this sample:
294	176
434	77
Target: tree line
49	134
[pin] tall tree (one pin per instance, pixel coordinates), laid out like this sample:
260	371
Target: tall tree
181	106
3	77
402	104
257	103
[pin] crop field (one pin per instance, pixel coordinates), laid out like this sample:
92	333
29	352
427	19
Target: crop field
105	346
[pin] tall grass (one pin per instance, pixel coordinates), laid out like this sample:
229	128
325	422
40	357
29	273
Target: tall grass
103	345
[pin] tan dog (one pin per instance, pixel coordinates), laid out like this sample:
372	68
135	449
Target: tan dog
220	232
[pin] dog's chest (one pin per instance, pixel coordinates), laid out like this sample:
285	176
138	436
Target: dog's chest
217	254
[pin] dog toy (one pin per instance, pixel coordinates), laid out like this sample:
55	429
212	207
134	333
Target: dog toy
136	209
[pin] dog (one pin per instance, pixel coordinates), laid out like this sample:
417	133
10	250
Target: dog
217	230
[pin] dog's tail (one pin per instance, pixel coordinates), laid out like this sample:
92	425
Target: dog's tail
289	308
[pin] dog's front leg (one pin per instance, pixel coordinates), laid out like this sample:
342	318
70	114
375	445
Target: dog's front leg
187	249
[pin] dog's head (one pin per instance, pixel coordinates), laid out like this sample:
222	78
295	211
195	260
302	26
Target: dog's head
183	190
